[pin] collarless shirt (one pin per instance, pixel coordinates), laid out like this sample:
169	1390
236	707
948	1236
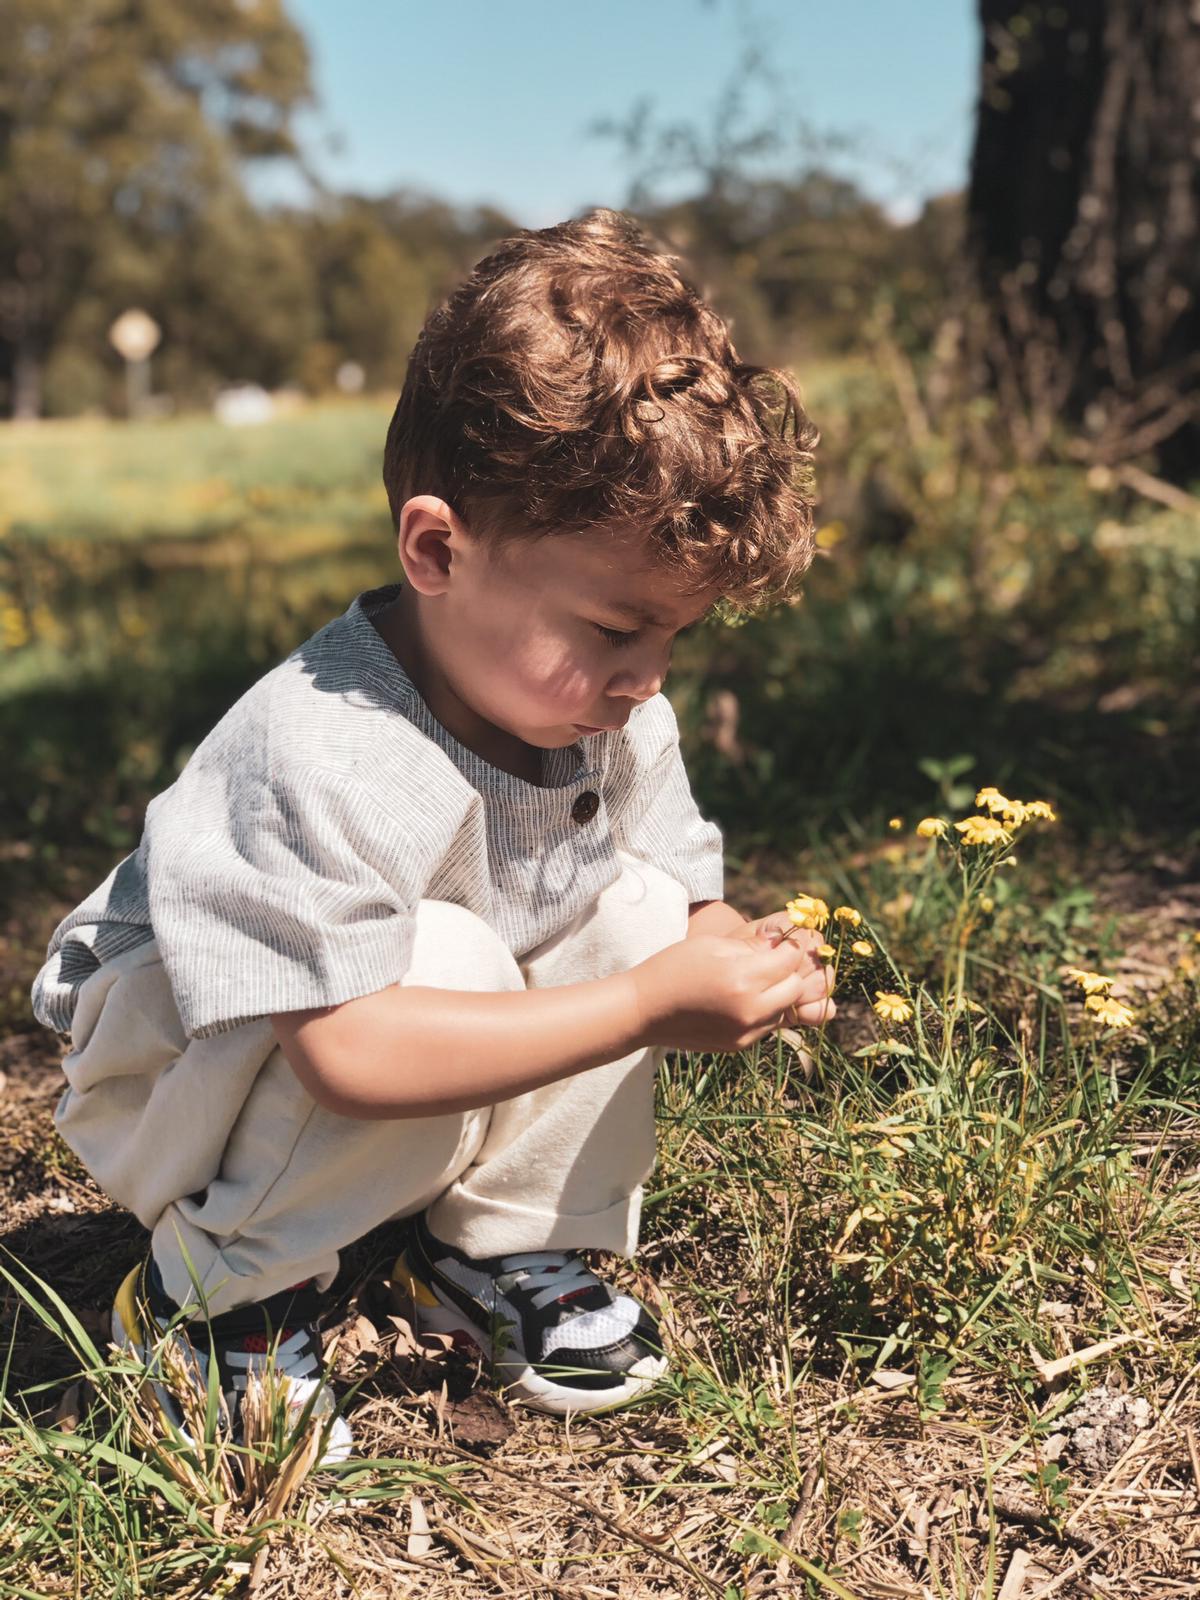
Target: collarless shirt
281	871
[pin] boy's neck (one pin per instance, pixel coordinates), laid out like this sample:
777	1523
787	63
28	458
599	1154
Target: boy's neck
400	627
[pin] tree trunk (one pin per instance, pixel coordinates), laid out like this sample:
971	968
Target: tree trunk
26	382
1084	223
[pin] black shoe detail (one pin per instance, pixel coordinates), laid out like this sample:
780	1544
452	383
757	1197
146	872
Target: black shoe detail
590	1370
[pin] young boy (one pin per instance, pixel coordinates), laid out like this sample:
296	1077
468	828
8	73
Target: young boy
411	931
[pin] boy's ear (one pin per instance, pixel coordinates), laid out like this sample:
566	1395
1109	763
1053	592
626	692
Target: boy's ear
426	537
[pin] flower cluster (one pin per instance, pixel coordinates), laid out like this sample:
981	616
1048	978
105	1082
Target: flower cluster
997	819
1089	982
807	911
1095	985
1109	1011
983	830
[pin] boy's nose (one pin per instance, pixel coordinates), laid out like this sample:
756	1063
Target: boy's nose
644	687
641	680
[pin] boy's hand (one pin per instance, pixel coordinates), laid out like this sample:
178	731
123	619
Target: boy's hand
771	929
725	991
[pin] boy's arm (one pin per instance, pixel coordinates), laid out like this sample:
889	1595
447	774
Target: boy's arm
422	1052
477	1048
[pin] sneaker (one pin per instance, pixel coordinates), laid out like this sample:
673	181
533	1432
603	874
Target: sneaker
241	1339
556	1337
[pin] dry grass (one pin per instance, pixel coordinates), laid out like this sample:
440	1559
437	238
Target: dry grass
790	1452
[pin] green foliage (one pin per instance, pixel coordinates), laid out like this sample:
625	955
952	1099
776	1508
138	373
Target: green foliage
121	133
113	1491
125	139
1051	1485
1036	620
378	266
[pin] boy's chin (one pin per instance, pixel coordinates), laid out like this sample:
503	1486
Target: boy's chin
554	739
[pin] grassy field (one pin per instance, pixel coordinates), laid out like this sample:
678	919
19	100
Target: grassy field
931	1278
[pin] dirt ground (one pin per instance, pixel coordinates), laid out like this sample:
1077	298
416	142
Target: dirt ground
630	1505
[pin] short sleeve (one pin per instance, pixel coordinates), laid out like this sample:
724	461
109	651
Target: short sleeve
280	891
657	819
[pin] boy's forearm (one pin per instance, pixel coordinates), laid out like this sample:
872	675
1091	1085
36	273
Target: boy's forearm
713	916
417	1052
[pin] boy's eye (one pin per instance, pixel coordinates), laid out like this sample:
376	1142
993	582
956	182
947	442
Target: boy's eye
614	636
617	637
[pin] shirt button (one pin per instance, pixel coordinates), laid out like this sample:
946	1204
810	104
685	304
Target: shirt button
586	806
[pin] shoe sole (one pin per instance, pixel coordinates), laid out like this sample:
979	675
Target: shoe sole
437	1314
128	1333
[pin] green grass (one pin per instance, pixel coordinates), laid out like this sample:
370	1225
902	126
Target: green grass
187	477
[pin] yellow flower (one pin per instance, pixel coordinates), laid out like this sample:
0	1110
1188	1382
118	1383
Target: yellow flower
1042	809
982	830
826	952
13	626
848	915
891	1007
1015	813
986	904
931	827
1090	982
992	799
862	948
806	911
895	824
1109	1011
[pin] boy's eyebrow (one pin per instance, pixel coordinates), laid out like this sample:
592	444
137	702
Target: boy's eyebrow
636	613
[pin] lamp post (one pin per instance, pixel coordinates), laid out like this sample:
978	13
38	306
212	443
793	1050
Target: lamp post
135	337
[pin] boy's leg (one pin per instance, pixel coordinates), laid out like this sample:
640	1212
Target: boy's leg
270	1185
298	1182
217	1148
562	1167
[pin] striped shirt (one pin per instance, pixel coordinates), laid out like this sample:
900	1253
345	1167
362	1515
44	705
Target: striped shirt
281	871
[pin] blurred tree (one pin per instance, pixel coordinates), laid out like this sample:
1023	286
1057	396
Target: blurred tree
1084	222
378	266
122	125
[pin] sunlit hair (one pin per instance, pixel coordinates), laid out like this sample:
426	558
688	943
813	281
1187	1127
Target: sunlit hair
576	381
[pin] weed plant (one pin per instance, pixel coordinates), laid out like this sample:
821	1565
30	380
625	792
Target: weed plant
987	1162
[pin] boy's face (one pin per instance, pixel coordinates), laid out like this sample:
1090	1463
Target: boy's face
539	640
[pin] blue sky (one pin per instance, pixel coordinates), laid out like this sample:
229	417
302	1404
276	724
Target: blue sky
492	99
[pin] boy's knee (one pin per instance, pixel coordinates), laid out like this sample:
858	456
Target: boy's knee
641	912
455	949
646	906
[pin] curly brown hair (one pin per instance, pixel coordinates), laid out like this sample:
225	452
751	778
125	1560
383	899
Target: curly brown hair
576	381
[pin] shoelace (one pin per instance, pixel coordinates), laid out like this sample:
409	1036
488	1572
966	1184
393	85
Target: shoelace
291	1359
551	1274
